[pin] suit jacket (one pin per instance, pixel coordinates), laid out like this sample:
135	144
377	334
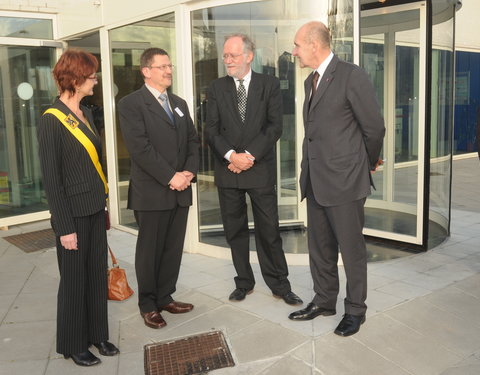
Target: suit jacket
258	135
158	149
344	132
71	182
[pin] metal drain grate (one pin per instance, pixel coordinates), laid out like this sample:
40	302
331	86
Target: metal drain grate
187	356
33	241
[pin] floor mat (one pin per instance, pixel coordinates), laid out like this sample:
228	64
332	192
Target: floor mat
33	241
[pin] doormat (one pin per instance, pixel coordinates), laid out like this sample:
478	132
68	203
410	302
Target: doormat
33	241
191	355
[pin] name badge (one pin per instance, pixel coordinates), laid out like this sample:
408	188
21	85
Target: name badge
180	113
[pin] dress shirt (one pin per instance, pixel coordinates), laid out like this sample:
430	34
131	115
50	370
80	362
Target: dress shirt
323	66
246	83
157	93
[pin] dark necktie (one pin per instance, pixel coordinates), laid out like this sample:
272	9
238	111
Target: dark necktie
242	99
164	101
314	86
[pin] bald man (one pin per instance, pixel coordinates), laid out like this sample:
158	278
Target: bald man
344	132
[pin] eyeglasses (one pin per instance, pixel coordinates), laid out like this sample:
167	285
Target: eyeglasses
231	56
94	77
163	67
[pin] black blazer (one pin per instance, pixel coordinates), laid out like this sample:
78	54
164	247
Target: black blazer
71	182
263	127
344	131
158	148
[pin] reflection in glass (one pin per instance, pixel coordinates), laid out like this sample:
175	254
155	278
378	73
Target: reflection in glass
21	189
272	25
441	129
17	27
128	43
340	23
392	61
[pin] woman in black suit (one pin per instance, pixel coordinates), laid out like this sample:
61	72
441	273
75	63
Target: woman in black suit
76	189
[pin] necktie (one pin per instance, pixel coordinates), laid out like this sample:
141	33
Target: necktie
314	86
164	102
242	99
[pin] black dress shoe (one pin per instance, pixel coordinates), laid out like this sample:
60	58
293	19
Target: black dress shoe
290	298
239	294
107	348
84	359
349	325
310	312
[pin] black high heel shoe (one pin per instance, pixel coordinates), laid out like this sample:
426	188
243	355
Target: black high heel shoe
107	348
84	359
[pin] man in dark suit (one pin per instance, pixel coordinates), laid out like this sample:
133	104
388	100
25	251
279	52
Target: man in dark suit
244	121
344	132
163	145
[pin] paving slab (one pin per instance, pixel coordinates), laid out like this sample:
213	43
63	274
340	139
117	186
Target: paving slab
453	332
33	307
30	367
264	339
347	356
288	365
26	341
408	349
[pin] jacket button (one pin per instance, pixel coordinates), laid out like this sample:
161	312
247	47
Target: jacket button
309	139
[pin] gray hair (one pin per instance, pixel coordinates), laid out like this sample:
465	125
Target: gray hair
248	45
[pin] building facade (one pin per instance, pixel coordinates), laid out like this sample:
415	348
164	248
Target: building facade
406	46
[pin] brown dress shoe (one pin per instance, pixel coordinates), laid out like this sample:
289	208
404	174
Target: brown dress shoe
153	319
176	307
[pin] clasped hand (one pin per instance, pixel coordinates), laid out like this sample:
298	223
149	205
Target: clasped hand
181	180
240	162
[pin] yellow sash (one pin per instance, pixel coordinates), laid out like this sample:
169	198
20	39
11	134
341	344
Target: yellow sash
72	125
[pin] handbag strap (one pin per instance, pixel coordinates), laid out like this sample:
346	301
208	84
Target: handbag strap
114	260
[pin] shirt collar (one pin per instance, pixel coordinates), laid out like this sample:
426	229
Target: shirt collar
247	78
155	92
323	66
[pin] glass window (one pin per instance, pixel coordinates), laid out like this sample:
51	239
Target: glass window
26	90
441	128
272	26
34	28
127	44
390	53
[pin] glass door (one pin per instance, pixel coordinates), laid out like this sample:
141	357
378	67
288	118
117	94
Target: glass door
26	90
393	52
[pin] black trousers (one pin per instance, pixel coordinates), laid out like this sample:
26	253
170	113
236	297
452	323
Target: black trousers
268	242
82	294
331	229
158	255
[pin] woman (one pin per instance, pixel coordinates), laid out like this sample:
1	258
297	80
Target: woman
76	189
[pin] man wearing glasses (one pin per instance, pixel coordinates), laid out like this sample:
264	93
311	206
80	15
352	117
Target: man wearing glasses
244	121
163	145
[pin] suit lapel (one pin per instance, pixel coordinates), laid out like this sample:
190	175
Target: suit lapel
308	89
154	106
327	78
255	90
230	93
179	121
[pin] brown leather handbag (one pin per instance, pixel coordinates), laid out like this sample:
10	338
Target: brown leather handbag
118	288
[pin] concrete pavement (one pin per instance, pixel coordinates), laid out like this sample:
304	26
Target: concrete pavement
422	317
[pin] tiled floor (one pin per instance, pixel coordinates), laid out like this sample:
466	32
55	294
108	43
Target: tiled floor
422	317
